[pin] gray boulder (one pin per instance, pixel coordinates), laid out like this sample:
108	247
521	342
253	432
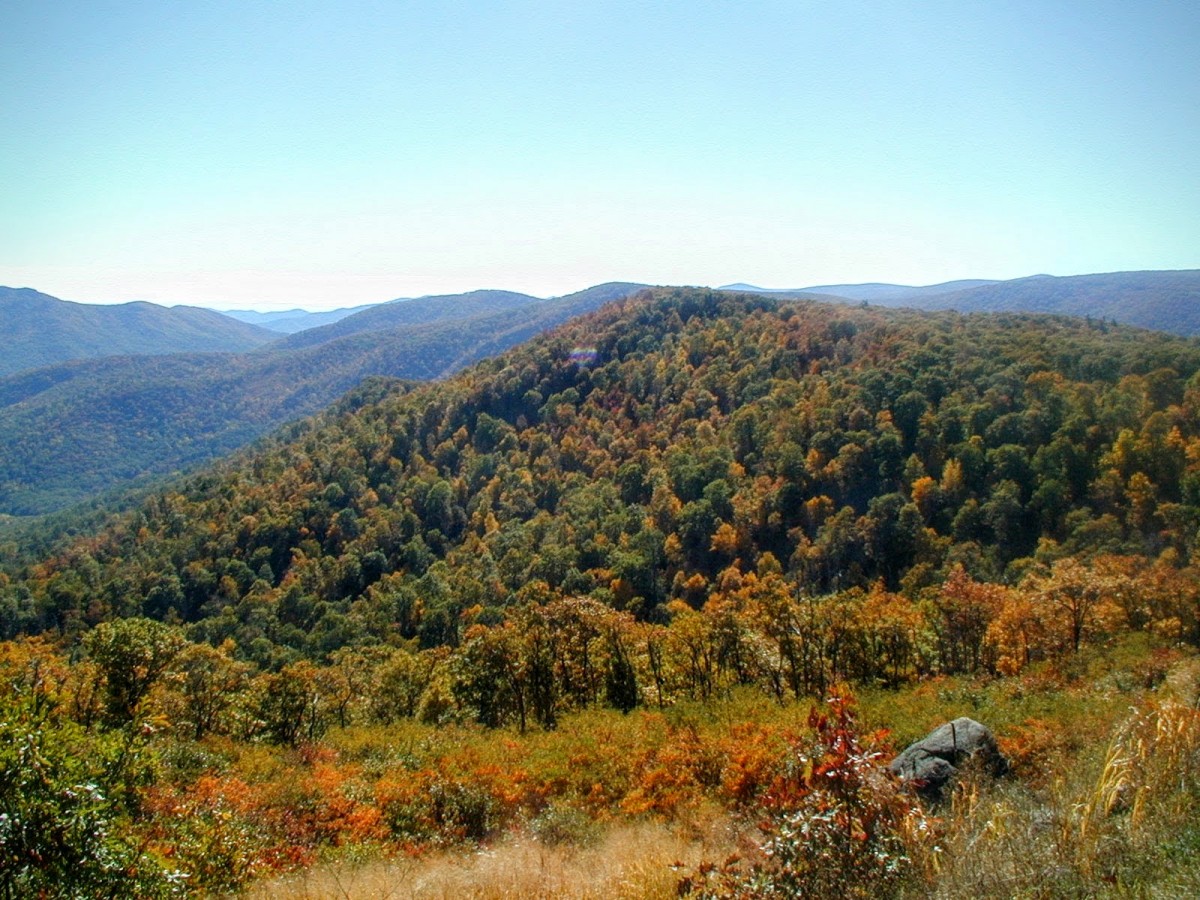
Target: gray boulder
931	763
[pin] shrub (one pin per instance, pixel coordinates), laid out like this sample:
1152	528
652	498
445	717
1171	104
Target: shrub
64	829
562	825
836	824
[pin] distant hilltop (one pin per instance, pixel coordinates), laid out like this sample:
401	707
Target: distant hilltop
1160	300
39	330
873	292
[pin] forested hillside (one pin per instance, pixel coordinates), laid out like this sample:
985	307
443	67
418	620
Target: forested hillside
641	456
897	294
70	431
1165	301
595	583
399	313
872	292
38	330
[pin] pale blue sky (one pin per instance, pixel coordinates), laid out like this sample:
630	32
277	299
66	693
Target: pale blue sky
242	153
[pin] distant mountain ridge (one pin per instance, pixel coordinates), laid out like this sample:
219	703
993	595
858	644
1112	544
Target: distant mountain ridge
292	320
39	330
70	431
872	292
1159	300
1166	300
896	293
421	311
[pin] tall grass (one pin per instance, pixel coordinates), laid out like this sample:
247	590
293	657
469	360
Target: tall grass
633	862
1121	823
1104	800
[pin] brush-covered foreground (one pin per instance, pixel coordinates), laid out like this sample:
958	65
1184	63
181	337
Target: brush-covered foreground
739	796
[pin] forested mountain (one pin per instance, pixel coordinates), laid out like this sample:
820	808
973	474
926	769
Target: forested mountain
896	294
658	451
70	431
1164	301
38	330
400	313
410	312
872	292
292	320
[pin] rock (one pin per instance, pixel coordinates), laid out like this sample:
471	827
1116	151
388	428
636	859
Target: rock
933	762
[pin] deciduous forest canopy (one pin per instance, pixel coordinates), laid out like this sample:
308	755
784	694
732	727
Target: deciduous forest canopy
73	430
682	501
635	455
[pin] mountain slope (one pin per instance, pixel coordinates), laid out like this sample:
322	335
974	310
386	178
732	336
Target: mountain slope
884	294
39	330
654	454
896	294
400	313
739	508
1164	301
70	431
292	320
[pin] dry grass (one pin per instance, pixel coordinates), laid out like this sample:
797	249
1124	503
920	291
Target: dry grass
644	860
1106	804
1120	826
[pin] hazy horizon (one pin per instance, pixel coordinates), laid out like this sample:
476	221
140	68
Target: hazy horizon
282	308
240	155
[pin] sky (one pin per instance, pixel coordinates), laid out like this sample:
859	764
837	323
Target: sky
269	155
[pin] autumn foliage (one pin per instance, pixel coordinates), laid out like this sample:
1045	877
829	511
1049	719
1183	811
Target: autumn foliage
554	562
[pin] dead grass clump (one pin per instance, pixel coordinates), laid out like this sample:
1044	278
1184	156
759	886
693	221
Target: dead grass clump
1149	787
1002	840
642	860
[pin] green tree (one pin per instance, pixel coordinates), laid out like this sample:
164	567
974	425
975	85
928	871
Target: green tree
64	820
132	654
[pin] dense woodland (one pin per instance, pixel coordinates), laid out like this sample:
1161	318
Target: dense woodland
684	498
73	430
652	454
